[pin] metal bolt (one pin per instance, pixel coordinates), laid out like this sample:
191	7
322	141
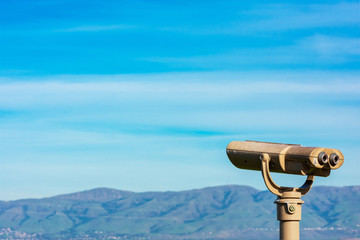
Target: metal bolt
292	209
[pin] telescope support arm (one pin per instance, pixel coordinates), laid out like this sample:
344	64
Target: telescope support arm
288	201
276	189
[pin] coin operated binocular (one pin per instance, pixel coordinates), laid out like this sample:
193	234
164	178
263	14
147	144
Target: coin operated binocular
290	159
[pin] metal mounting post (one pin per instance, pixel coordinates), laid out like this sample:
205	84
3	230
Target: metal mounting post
288	202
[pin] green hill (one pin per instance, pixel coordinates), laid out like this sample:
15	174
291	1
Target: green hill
225	212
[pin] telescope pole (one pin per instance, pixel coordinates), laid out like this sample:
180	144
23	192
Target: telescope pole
289	215
288	202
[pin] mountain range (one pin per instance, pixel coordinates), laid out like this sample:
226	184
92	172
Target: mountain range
223	212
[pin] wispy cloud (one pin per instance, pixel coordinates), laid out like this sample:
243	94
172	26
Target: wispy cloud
279	17
163	37
317	50
152	106
332	46
27	94
97	28
304	16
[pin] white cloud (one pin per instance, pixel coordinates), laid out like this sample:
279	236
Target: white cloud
151	106
54	93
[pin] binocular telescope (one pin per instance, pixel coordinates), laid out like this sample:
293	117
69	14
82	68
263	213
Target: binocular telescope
285	158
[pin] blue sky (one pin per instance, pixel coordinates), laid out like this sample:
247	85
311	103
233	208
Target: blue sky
145	95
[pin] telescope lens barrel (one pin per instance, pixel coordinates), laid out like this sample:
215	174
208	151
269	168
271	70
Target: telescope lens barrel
323	158
334	159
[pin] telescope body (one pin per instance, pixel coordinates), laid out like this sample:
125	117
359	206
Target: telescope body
285	158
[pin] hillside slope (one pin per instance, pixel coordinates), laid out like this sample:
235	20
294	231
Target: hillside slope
215	212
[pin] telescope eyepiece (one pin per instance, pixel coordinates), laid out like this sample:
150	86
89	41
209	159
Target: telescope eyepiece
334	159
323	158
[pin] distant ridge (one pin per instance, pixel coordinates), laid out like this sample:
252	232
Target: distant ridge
223	212
108	194
97	194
